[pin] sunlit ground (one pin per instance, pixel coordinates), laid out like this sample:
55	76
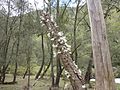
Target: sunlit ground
42	84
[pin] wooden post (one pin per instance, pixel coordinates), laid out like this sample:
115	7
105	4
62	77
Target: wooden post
101	54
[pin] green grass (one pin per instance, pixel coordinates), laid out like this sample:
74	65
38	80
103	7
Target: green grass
42	84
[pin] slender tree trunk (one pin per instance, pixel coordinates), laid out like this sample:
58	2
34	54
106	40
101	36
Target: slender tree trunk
101	54
59	71
16	61
88	74
43	58
52	66
25	72
0	76
5	47
58	64
44	72
28	65
74	34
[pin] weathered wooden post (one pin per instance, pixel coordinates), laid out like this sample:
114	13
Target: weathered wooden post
101	54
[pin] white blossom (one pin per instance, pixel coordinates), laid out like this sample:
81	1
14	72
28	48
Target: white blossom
63	38
83	86
67	45
58	52
52	32
60	33
79	72
42	18
54	54
43	25
54	45
61	42
65	50
52	39
68	49
41	22
55	25
47	20
66	72
68	76
48	34
75	64
52	18
49	28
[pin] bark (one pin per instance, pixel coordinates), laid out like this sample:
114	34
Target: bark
101	54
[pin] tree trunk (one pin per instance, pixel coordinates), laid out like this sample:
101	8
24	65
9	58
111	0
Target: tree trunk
101	54
88	74
25	72
63	49
74	34
59	71
43	58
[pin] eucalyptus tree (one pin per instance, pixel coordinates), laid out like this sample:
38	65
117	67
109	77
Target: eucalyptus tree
101	54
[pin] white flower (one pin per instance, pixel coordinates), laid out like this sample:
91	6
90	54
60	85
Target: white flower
65	50
48	34
52	39
66	72
43	25
67	45
75	64
52	18
79	72
68	76
58	52
47	20
60	33
61	42
42	18
52	32
63	38
54	54
83	86
54	46
49	28
68	49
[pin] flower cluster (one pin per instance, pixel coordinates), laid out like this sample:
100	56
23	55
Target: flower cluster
67	74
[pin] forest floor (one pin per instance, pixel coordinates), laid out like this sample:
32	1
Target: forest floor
42	84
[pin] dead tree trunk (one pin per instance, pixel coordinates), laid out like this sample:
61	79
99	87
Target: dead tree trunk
101	54
63	49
